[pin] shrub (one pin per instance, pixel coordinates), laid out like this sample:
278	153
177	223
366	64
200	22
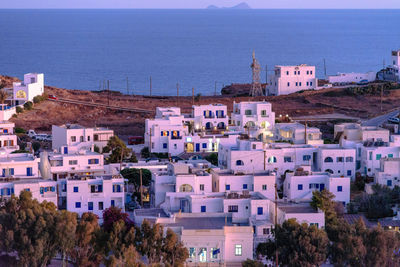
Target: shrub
19	109
145	152
28	105
19	130
96	149
36	146
37	99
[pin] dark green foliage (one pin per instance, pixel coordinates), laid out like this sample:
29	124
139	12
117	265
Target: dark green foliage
379	204
118	149
28	105
133	176
36	146
96	149
213	158
133	158
145	152
252	263
18	109
19	130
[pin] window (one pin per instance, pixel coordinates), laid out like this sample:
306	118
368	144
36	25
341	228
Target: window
340	188
101	205
73	162
239	163
90	205
247	112
203	208
29	171
263	113
266	231
310	83
88	138
287	159
348	172
306	157
272	159
78	205
339	159
287	73
264	187
227	187
288	84
315	224
203	255
81	139
349	159
175	146
204	145
93	161
202	187
238	250
260	211
390	155
214	253
192	253
116	188
244	186
378	156
307	83
73	138
389	183
328	159
233	208
112	203
297	84
11	171
299	187
313	186
76	189
370	155
254	146
165	145
311	72
308	72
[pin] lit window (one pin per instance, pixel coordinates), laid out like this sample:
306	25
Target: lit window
238	250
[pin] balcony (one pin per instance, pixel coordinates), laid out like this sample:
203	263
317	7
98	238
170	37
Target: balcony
176	137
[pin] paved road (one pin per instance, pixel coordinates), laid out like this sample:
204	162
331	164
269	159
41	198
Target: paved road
377	121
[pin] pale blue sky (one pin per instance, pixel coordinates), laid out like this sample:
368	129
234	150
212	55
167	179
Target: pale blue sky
340	4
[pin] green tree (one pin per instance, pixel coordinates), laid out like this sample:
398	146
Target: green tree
96	149
174	252
133	176
66	224
36	146
149	240
118	149
86	251
213	158
133	158
324	200
28	105
145	152
18	109
297	244
28	227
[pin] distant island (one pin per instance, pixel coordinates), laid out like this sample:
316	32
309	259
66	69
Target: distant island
242	5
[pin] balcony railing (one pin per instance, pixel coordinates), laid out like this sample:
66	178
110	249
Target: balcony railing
176	137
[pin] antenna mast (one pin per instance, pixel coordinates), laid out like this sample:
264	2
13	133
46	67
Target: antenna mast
256	89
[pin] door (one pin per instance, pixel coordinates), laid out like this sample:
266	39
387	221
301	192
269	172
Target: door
29	171
197	147
321	187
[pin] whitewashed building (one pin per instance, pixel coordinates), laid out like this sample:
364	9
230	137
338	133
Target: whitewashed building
388	173
8	140
210	117
41	190
31	86
74	135
19	165
348	78
299	185
297	133
290	79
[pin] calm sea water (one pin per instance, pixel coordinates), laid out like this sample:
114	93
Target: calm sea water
78	49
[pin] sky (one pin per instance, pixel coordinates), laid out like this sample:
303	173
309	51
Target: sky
294	4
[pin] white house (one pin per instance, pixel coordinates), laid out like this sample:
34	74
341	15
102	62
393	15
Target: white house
300	184
254	118
347	78
297	133
42	190
210	117
91	193
31	86
389	172
8	140
302	212
19	165
290	79
69	135
336	160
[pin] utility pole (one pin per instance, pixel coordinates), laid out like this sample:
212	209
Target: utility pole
305	132
265	157
276	226
127	85
108	95
150	86
192	96
325	68
150	142
141	188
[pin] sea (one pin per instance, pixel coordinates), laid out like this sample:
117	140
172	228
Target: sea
200	49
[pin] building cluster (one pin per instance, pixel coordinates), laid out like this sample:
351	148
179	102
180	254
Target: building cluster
290	79
72	176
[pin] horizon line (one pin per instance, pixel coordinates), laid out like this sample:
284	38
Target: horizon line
183	8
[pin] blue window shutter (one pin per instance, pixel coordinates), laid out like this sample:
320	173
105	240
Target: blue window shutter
100	188
259	210
41	190
8	191
12	171
178	133
45	189
112	203
88	161
12	191
204	113
162	133
97	161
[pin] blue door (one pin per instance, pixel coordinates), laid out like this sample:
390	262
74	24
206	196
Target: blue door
197	147
29	171
321	187
259	211
65	150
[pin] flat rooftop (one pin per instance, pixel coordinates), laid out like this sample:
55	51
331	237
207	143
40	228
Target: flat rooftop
201	223
296	208
151	213
24	180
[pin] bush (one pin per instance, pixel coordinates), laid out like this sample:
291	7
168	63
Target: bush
37	99
96	149
19	109
19	130
36	146
28	105
145	152
106	149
